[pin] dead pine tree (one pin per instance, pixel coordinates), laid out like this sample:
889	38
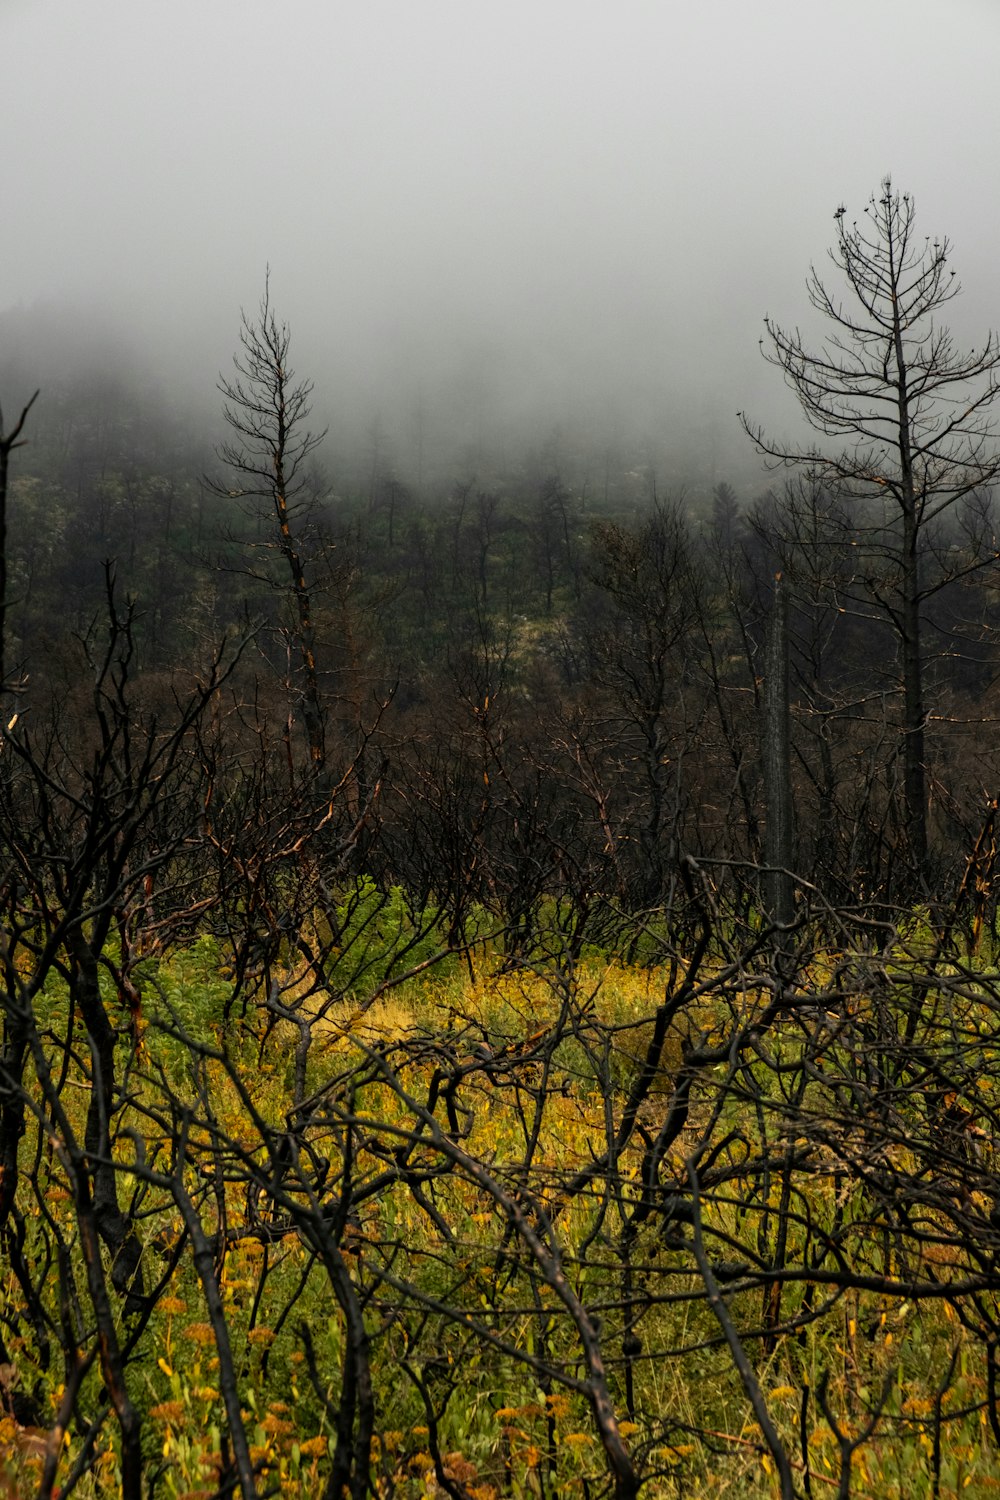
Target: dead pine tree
267	410
906	441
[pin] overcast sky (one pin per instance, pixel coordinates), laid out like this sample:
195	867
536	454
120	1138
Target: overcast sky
568	205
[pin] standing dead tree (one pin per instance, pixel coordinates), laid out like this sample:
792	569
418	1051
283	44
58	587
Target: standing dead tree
8	442
911	413
267	410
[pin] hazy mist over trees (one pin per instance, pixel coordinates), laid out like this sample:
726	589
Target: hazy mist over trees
485	228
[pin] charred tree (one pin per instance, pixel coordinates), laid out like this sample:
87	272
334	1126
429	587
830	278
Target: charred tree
8	442
909	415
267	410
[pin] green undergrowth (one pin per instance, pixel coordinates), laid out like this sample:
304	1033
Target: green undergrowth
447	1304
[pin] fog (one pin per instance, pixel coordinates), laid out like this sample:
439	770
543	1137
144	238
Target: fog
488	225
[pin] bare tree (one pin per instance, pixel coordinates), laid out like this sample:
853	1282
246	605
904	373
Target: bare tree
8	442
93	813
268	411
912	415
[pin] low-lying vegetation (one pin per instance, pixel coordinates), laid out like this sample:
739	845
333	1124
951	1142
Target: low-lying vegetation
726	1224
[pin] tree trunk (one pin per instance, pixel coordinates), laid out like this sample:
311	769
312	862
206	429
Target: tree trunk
914	785
914	776
8	443
312	709
777	763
